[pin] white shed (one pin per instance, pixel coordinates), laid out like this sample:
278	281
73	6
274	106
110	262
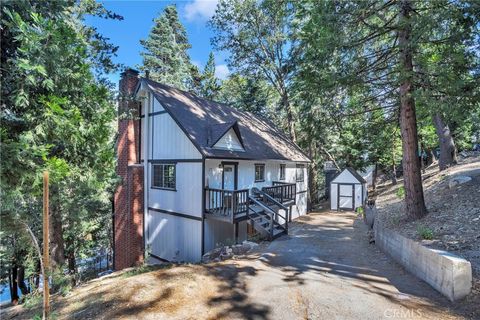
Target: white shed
348	190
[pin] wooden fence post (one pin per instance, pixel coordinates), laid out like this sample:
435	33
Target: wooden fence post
46	254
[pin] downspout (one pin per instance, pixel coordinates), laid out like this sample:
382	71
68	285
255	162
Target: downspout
146	150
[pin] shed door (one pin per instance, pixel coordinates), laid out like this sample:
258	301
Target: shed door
345	196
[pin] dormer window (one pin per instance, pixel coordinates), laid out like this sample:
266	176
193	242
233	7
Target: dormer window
226	136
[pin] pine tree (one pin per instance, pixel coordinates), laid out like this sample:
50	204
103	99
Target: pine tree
210	86
165	55
56	116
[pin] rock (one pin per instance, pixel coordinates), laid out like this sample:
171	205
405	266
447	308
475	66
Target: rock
370	214
458	180
250	244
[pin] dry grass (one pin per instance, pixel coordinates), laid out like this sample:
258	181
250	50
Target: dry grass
182	292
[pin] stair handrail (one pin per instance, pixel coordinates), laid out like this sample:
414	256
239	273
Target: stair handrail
279	204
266	208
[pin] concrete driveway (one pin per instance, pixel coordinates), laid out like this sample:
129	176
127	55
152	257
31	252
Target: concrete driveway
326	269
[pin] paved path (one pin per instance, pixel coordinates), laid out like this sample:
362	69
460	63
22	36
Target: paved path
326	269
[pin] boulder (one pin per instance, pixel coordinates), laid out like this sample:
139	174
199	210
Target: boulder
454	181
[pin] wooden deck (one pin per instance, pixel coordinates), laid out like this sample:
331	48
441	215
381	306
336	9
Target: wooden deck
226	214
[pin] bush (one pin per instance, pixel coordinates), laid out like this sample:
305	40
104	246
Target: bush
33	299
425	232
401	192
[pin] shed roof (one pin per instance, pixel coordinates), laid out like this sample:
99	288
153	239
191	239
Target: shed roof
204	121
354	173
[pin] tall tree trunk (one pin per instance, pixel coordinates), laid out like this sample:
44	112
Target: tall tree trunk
21	280
312	199
430	157
394	165
290	120
374	177
13	284
394	172
71	260
448	151
57	244
412	178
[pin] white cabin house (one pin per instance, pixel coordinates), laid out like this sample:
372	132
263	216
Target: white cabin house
348	190
213	175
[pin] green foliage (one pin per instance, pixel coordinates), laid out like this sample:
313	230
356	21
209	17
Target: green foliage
165	53
33	300
257	35
249	94
210	86
400	193
425	232
57	115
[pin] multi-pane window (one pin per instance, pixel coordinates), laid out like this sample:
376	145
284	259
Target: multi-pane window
282	171
300	172
259	172
164	176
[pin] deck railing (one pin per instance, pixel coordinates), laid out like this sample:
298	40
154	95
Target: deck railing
281	191
226	203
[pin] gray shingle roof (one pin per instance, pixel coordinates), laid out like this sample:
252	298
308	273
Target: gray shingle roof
202	119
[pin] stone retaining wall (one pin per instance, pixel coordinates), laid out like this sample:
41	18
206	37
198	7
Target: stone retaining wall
444	271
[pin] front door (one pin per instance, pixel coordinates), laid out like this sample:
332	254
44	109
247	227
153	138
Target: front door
345	196
229	177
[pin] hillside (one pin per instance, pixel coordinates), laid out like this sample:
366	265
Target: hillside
453	220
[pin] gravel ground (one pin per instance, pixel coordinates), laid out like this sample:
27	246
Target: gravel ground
324	269
453	213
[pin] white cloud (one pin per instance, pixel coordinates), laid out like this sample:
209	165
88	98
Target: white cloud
221	71
200	9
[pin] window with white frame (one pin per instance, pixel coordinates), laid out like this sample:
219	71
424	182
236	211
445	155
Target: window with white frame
259	172
164	176
282	171
300	175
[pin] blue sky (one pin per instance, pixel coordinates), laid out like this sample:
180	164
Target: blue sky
138	20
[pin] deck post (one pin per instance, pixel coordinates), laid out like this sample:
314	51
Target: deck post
235	231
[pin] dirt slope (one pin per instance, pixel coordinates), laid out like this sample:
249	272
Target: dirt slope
453	213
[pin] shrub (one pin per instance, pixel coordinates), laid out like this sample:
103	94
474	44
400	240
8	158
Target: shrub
425	232
401	192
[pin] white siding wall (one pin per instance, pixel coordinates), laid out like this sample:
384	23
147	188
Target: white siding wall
168	236
219	232
346	177
188	197
169	141
174	238
358	195
333	196
229	141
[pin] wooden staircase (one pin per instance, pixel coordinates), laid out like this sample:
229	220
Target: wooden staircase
265	215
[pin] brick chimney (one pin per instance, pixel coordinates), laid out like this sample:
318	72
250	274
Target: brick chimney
128	215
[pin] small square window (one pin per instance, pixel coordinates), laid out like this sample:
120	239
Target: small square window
259	172
300	173
282	171
164	176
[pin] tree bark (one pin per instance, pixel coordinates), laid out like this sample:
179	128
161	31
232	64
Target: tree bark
71	260
448	151
412	178
394	172
290	122
374	177
57	244
13	284
21	281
